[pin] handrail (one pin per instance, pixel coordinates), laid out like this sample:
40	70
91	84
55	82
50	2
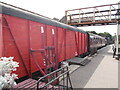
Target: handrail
94	7
65	71
104	13
52	73
54	79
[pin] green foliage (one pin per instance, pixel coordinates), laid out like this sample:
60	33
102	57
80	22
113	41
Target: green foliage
114	37
92	32
105	34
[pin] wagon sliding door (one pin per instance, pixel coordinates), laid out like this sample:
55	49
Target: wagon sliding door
43	41
61	44
71	48
37	42
51	47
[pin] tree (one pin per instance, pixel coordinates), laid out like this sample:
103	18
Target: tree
92	32
106	35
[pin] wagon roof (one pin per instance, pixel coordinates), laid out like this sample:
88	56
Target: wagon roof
22	13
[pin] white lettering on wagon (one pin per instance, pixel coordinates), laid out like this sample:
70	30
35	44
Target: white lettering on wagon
42	30
53	31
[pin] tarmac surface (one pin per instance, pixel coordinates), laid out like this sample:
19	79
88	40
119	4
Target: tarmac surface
101	72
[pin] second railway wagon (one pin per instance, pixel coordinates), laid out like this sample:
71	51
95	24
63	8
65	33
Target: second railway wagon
36	42
96	42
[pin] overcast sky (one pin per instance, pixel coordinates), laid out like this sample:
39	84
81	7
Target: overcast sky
56	8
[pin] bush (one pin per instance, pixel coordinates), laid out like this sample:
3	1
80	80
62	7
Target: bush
7	77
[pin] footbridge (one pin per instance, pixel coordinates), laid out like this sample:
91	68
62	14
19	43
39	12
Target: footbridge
93	16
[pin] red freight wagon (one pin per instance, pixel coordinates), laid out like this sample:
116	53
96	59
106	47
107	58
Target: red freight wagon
36	42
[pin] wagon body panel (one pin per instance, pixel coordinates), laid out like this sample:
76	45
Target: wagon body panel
61	44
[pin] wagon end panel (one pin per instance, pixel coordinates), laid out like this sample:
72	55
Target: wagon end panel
86	43
83	43
1	36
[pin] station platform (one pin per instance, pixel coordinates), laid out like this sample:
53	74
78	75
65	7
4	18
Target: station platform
101	72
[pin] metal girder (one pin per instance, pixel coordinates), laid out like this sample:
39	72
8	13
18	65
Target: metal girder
97	15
